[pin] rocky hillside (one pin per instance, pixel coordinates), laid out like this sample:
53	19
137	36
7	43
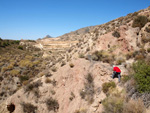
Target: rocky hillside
71	73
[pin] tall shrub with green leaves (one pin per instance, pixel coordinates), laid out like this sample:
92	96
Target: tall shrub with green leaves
142	76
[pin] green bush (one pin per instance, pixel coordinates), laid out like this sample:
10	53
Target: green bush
140	21
142	76
107	85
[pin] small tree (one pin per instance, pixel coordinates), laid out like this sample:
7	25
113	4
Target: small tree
142	76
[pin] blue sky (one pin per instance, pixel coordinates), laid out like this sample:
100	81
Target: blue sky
33	19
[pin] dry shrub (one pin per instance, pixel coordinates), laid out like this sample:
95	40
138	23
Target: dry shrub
81	55
147	29
113	103
108	85
120	61
15	72
88	92
32	86
71	65
144	39
140	21
29	108
102	56
130	85
81	110
134	106
25	63
47	80
63	63
125	78
52	104
139	57
72	96
116	34
129	55
54	69
53	92
148	50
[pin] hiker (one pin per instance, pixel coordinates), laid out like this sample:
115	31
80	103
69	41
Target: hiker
116	73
